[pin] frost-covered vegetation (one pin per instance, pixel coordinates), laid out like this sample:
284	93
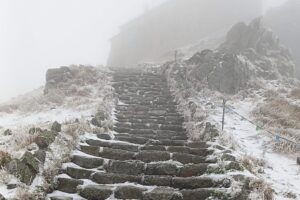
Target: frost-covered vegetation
39	130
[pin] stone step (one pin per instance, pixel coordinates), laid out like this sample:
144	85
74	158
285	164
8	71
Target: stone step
87	162
150	121
96	192
149	126
79	173
113	145
165	118
130	108
67	185
149	102
138	168
143	138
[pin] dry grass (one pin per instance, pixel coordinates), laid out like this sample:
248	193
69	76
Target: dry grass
22	140
261	190
252	164
5	157
278	113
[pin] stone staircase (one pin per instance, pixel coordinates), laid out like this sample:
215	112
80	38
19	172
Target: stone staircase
148	156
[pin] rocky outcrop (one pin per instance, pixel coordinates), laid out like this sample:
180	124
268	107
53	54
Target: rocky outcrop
261	47
64	77
249	51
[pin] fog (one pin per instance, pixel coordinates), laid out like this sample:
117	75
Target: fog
36	35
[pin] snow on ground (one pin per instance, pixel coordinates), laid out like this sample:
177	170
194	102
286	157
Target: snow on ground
281	170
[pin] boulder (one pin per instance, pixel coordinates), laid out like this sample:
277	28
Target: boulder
40	155
30	161
56	127
44	139
25	173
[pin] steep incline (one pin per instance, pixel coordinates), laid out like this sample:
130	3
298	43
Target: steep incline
148	156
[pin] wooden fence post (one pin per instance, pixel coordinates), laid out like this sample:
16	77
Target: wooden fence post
223	117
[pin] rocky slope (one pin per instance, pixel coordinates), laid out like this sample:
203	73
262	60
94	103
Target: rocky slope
249	51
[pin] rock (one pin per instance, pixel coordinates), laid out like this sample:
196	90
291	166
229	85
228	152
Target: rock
56	76
40	155
7	132
129	192
298	160
95	122
56	127
21	170
44	139
29	160
228	157
11	186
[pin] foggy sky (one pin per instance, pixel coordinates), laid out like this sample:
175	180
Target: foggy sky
39	34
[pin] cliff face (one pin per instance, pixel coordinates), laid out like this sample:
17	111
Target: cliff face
175	24
284	21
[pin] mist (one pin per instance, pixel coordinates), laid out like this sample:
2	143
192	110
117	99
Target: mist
37	35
